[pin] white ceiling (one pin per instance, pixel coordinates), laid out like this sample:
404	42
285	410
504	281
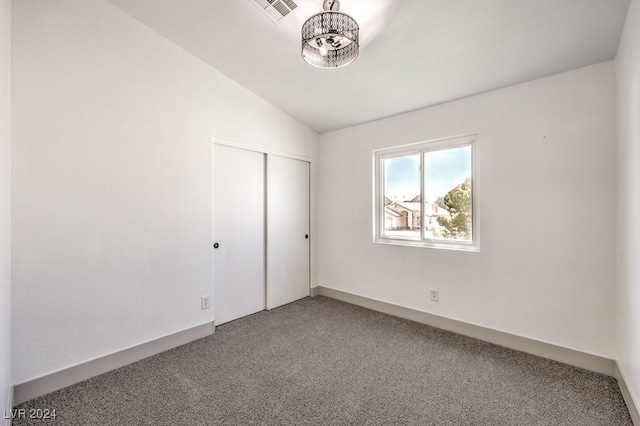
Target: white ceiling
414	53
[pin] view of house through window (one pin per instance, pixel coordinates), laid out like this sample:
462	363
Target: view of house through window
402	196
426	193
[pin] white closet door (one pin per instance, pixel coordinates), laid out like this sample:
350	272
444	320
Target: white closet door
238	232
287	230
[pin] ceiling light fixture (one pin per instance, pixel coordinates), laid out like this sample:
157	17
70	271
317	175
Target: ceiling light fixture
330	39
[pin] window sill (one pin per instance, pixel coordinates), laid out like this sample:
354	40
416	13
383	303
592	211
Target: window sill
471	247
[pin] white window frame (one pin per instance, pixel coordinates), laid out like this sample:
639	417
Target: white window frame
380	155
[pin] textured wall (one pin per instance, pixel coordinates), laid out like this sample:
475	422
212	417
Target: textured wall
113	131
547	176
5	202
628	80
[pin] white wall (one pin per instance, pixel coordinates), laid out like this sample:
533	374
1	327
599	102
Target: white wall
113	129
628	82
5	203
547	169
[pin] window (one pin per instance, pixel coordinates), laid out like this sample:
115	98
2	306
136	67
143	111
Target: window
426	194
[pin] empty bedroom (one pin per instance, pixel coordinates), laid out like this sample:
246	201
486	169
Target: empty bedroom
308	212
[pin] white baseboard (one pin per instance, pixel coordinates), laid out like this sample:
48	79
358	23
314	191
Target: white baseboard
546	350
629	398
86	370
51	382
9	406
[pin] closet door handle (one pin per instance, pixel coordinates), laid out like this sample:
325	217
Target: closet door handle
216	245
306	236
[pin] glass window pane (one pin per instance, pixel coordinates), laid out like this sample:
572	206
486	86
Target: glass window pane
402	197
447	189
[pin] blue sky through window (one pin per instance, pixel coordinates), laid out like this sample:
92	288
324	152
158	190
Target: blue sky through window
402	175
444	169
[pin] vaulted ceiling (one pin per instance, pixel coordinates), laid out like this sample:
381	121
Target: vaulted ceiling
414	53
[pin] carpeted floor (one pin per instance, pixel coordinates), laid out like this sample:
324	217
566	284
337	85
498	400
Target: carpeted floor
319	361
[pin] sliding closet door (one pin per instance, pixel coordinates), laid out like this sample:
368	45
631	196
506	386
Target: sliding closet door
238	233
287	230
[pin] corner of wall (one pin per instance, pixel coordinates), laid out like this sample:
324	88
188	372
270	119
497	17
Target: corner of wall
5	204
627	68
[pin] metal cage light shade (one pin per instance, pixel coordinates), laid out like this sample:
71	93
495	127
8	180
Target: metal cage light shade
330	39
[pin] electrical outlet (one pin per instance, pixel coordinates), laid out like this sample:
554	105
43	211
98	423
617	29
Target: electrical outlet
204	302
434	294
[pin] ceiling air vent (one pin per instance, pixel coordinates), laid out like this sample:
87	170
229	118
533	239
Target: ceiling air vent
275	9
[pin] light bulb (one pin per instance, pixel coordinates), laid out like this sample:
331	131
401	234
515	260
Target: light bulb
323	48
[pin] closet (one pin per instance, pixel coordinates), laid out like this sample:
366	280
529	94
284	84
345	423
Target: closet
260	231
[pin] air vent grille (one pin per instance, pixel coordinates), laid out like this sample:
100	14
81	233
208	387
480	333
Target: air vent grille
290	4
275	9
